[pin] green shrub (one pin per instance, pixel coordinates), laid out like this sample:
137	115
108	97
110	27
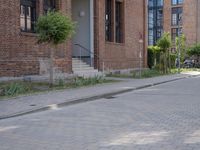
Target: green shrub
165	43
61	83
150	73
150	57
173	60
194	50
80	81
15	89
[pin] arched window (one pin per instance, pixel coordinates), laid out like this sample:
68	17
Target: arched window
27	15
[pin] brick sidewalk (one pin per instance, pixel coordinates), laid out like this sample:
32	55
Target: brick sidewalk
29	104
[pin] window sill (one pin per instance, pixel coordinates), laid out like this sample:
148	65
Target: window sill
177	5
114	43
176	26
30	34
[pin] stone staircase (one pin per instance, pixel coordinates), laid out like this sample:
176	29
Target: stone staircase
82	69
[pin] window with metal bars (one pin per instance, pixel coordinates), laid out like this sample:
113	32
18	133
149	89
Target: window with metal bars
109	20
174	34
155	20
176	14
118	22
114	21
27	15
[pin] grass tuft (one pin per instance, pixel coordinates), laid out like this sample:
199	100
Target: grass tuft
15	88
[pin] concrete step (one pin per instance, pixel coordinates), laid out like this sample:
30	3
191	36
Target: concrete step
78	64
86	70
88	74
82	69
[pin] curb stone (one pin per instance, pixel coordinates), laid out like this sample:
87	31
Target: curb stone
89	98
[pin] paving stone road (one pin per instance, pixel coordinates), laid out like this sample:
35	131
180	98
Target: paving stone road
164	117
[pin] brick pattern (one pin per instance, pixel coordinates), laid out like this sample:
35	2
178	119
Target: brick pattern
190	9
191	21
165	117
19	49
124	55
167	16
20	67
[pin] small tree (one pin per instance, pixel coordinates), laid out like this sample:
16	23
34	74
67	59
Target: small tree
180	41
155	50
165	43
54	28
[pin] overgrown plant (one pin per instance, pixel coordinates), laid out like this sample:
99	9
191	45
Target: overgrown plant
195	52
15	89
80	81
54	28
180	43
165	43
155	50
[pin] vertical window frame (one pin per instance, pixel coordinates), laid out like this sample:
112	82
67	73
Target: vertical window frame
29	8
109	15
155	21
119	21
110	25
175	15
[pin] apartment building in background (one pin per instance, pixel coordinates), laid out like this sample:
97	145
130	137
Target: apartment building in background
110	34
165	16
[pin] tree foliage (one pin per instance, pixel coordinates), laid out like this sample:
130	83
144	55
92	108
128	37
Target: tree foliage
153	52
54	28
194	50
180	41
164	42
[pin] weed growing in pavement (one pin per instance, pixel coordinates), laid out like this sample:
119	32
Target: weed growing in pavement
15	88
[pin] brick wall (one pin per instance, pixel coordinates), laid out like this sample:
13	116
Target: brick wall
21	55
123	55
20	50
198	20
167	16
191	21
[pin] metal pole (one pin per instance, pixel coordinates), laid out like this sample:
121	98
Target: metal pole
179	50
140	61
140	56
103	68
80	58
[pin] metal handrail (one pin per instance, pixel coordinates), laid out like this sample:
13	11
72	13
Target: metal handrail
86	49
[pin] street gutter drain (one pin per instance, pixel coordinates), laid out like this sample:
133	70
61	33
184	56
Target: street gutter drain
33	105
110	97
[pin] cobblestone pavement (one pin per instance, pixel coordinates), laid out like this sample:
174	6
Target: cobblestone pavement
26	103
164	117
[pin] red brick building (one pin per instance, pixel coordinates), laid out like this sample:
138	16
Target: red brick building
109	29
168	13
189	11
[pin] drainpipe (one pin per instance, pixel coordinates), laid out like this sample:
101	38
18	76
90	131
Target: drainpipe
197	22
